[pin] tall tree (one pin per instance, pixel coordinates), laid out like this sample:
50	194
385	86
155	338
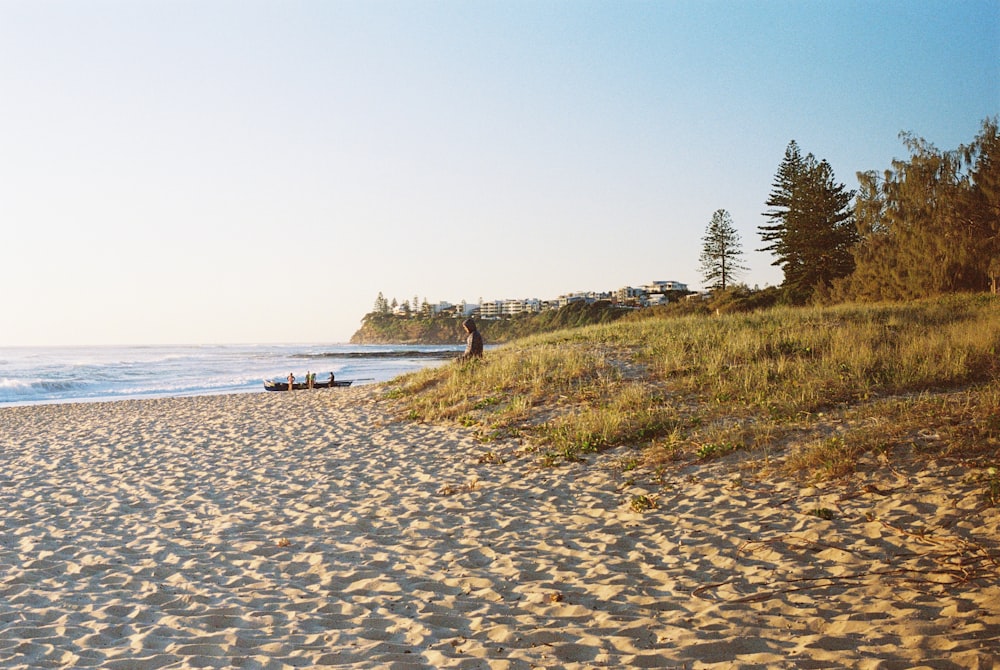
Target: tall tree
721	252
812	228
982	204
931	224
780	201
875	256
381	304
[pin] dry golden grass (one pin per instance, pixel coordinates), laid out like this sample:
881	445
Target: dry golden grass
819	386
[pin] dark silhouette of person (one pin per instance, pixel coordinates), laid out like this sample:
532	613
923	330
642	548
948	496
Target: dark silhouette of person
473	341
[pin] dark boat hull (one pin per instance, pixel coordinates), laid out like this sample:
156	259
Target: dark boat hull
273	385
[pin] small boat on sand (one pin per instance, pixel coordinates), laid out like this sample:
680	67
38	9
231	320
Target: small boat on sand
276	385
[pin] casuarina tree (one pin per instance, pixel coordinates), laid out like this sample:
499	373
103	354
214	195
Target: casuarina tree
931	224
721	252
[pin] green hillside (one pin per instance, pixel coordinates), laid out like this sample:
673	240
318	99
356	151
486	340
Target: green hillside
390	329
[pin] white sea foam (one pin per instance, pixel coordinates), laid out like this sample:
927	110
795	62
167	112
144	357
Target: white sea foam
35	375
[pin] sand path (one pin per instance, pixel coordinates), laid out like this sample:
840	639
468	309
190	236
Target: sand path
309	530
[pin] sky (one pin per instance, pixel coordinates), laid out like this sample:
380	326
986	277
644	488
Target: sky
250	171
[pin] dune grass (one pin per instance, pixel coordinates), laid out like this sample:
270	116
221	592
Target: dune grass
819	387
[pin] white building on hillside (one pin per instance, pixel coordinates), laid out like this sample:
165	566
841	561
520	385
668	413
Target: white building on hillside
664	287
585	296
491	309
521	306
654	293
629	295
496	309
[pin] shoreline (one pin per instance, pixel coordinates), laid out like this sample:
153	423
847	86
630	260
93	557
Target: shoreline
53	374
269	530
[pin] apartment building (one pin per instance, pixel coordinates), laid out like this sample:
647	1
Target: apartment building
654	293
496	309
587	297
664	287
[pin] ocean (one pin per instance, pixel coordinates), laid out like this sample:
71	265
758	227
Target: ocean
37	375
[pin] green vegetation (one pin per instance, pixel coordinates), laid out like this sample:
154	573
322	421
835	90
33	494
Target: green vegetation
379	328
389	329
817	391
930	225
642	503
810	391
812	225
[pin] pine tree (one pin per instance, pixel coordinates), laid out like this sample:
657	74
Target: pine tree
812	229
721	253
781	201
381	304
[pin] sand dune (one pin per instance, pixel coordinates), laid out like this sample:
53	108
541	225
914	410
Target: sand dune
311	530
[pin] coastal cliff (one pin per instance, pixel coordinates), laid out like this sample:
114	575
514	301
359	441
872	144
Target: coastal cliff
391	329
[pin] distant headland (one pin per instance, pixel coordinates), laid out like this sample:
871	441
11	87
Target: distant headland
441	323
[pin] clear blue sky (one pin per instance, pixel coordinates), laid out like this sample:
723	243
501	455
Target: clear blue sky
247	171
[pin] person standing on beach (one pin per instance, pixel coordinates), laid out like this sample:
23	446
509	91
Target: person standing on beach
291	380
473	341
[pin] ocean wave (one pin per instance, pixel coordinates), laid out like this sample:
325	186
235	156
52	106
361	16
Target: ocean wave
41	384
23	389
55	374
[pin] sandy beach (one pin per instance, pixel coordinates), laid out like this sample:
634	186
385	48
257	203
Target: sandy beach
312	530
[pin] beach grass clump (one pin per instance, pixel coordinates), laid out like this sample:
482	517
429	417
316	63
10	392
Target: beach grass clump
507	385
642	503
824	513
819	379
992	492
962	423
624	413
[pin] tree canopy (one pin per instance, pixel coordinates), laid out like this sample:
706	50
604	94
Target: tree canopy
930	224
811	228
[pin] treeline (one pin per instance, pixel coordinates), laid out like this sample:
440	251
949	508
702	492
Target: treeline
929	225
381	328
